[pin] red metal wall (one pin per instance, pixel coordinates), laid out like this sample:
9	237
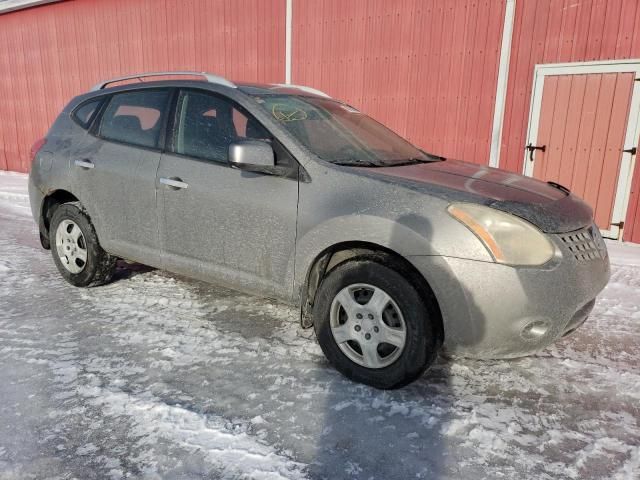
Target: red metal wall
554	31
428	69
632	222
49	54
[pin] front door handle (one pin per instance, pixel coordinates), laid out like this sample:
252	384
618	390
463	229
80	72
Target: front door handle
84	164
174	183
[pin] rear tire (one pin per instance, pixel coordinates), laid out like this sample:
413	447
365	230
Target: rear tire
382	306
75	248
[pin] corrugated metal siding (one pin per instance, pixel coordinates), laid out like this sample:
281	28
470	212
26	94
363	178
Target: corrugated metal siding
555	31
7	6
632	223
50	54
428	69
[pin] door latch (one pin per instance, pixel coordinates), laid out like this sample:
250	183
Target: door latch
631	150
532	148
84	163
620	225
174	183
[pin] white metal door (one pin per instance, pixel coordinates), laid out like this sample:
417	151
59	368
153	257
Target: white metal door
627	71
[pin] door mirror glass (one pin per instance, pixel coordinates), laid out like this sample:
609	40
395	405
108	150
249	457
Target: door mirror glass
252	155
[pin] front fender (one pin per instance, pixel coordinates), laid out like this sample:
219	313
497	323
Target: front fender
408	235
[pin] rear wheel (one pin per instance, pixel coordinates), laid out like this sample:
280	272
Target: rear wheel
76	250
372	323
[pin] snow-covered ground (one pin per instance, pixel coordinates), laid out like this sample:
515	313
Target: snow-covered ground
156	376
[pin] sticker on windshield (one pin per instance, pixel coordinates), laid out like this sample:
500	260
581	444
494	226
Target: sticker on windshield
285	113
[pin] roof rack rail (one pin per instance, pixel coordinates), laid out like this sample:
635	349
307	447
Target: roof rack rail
209	77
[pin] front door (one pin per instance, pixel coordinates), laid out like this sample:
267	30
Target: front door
219	223
582	134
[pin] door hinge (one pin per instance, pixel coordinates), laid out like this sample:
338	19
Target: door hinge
631	150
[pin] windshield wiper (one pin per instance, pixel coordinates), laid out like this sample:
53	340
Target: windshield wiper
412	161
359	162
436	158
404	161
356	162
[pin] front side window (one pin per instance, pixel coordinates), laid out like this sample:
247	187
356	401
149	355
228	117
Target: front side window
340	134
135	117
207	124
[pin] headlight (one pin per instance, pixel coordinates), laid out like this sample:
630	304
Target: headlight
509	239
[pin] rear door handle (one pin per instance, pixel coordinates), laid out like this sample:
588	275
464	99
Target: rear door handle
174	183
84	164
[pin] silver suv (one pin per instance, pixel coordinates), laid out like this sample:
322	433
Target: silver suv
390	252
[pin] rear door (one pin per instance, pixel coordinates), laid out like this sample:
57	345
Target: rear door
115	173
219	223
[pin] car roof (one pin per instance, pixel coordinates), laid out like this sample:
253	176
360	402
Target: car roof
280	89
259	89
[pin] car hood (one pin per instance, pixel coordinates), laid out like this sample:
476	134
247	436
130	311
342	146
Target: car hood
550	208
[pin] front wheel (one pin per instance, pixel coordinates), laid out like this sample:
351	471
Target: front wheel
372	323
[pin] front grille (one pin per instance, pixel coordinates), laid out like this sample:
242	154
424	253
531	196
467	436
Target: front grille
585	244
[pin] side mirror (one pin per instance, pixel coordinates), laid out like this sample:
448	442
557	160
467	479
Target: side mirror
252	155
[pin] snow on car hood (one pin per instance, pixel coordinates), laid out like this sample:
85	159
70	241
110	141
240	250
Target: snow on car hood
548	207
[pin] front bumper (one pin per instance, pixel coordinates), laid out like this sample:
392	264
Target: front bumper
491	310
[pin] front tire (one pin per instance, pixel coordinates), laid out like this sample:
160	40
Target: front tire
373	324
75	248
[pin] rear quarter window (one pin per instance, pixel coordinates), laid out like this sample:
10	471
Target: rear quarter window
135	117
84	114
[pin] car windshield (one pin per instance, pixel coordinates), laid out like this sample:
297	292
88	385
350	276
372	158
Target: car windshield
340	134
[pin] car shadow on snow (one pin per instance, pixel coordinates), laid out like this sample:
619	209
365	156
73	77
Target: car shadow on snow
368	433
126	270
396	434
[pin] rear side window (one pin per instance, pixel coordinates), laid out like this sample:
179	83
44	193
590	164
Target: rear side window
84	114
135	117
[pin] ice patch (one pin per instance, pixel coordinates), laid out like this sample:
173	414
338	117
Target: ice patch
235	454
87	449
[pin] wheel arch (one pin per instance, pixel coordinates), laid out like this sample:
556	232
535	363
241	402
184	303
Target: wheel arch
339	252
50	203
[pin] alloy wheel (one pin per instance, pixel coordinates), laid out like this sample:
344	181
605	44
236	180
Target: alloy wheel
368	325
71	246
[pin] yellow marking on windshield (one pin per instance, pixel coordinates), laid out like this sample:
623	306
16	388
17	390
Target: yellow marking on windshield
282	113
